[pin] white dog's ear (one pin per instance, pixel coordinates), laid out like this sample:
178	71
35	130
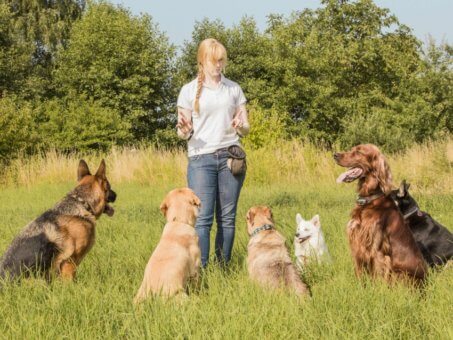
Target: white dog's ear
299	219
315	220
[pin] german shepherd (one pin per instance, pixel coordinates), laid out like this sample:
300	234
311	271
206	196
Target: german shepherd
56	242
434	240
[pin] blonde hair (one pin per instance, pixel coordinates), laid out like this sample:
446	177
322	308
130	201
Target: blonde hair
209	50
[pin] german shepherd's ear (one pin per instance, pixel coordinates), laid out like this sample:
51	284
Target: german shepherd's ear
402	189
82	170
101	170
406	186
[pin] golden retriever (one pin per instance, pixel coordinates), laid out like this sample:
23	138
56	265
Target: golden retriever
268	260
176	258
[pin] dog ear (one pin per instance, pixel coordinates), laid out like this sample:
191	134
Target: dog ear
101	170
82	170
271	215
315	220
164	207
299	219
406	187
195	201
250	216
383	174
402	189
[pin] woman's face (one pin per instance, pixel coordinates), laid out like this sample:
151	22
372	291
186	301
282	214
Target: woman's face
213	68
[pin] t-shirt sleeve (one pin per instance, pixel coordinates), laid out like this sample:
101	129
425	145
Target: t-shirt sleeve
240	100
184	99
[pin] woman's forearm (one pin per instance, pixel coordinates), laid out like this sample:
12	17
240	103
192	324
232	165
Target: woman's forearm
244	128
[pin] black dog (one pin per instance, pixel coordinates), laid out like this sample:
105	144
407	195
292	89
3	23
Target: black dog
434	240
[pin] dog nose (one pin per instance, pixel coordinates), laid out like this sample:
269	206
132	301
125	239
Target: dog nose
111	197
297	234
336	155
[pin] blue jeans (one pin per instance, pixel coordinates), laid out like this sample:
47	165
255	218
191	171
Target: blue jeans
212	181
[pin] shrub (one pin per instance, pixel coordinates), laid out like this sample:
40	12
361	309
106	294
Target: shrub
267	127
17	128
78	124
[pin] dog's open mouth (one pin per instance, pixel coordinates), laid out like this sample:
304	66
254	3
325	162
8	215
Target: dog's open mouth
350	175
303	239
108	210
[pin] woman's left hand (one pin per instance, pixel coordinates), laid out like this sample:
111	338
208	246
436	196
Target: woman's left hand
240	122
237	122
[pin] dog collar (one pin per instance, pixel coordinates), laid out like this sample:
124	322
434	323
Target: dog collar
413	211
263	227
368	199
85	204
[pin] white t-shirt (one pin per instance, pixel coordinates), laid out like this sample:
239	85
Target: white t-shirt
212	126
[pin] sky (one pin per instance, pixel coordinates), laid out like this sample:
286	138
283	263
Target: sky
177	17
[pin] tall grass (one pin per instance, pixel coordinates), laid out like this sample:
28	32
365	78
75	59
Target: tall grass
292	178
428	166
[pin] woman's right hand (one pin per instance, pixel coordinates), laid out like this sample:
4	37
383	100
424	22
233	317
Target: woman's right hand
184	124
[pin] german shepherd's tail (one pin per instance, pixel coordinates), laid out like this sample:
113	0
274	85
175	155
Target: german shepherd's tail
27	255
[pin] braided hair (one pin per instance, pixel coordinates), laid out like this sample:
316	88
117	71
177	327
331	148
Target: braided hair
209	49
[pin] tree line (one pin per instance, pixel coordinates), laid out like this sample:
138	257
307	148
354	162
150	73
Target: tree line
76	76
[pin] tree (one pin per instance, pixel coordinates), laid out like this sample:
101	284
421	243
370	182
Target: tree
14	54
436	86
324	66
34	30
122	62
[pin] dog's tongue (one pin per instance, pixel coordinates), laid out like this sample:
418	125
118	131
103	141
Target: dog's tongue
350	175
109	210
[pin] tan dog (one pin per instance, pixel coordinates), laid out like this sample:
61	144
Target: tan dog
268	260
176	258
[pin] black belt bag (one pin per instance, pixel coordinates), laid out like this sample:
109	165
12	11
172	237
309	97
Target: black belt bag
236	160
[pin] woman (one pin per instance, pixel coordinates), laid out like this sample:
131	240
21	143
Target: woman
212	116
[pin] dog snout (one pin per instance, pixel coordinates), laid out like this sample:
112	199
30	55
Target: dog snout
297	234
336	156
111	197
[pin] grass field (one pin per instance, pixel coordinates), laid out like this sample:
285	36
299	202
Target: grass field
293	178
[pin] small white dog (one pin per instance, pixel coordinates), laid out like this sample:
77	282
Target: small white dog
309	243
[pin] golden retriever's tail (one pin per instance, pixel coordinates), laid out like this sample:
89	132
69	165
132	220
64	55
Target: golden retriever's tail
175	292
139	298
142	294
294	282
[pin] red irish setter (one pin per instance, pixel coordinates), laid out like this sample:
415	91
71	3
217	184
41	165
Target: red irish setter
381	243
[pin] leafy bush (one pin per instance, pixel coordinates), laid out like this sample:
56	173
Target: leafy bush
267	127
17	128
79	124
